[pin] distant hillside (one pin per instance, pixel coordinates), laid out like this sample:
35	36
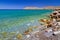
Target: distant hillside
47	7
32	8
52	7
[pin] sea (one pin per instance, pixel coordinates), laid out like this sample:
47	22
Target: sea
19	20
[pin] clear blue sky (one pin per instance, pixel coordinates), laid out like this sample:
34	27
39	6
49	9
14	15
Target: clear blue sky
19	4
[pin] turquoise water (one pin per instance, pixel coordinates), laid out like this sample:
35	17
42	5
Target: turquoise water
17	20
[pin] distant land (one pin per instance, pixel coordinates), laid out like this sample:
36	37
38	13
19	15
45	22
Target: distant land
32	8
47	7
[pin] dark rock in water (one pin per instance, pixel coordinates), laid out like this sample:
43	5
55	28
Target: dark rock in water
53	34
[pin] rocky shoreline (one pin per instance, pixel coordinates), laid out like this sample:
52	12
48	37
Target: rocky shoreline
50	30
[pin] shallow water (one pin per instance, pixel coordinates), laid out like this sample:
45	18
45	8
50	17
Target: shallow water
16	20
